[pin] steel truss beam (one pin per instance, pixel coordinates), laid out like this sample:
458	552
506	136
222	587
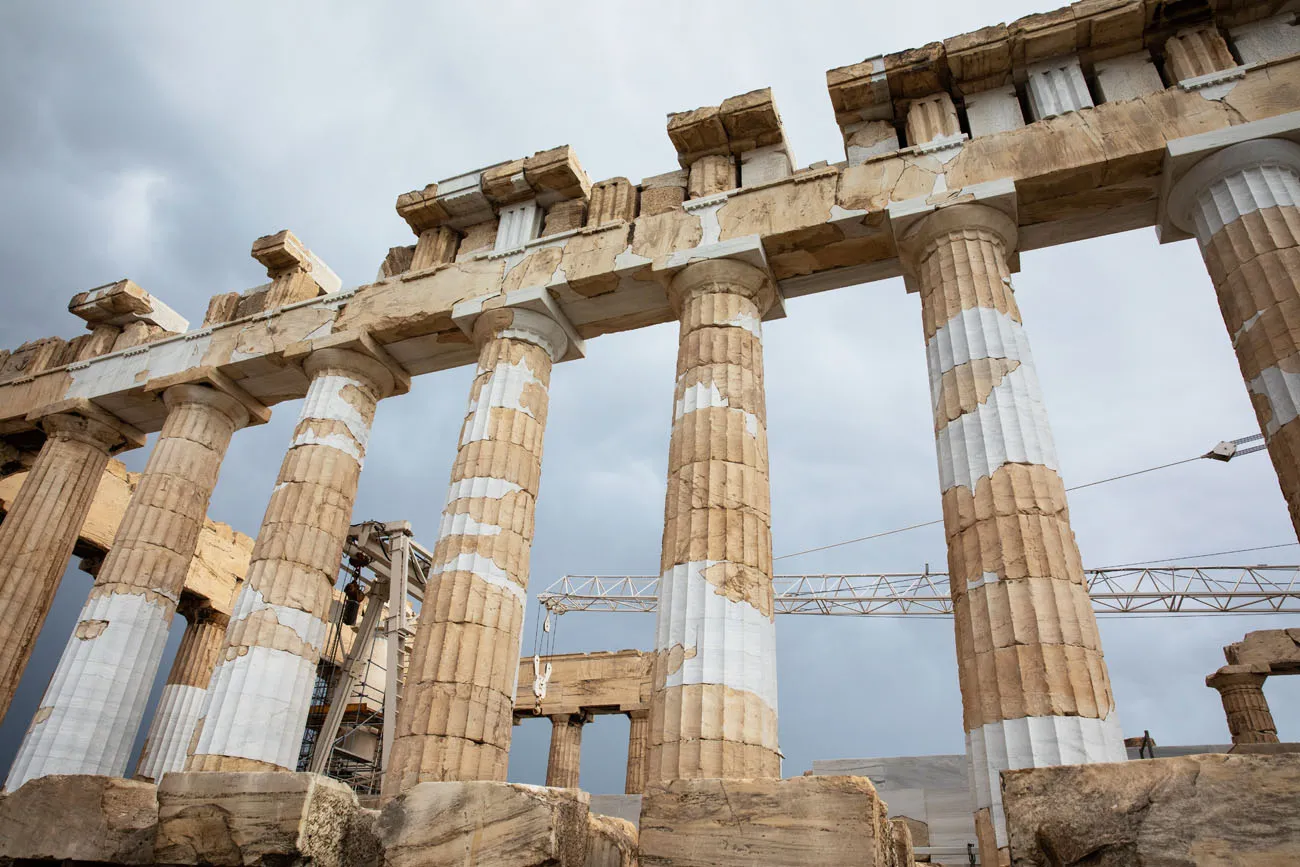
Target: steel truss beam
1124	590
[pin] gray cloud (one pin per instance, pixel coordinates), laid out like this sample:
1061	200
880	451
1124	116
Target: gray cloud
157	142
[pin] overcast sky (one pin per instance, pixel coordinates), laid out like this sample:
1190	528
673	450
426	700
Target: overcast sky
157	141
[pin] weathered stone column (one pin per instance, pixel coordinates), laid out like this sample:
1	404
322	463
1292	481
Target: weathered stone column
261	687
562	765
1242	692
1243	205
92	708
38	534
1034	685
182	696
458	701
637	734
713	705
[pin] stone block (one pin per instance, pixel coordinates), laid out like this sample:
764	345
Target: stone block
994	111
930	118
868	139
263	818
812	821
1195	52
1191	810
1268	39
555	174
1128	77
900	841
502	824
611	201
123	303
565	216
80	818
1057	87
611	842
764	165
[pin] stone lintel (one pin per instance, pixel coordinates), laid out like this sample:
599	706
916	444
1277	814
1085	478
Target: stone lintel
356	341
536	298
122	303
258	412
282	253
999	194
747	249
132	437
1184	154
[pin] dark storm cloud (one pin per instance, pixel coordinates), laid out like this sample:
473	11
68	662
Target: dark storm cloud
156	142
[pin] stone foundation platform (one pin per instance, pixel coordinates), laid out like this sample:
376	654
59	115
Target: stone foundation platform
813	821
1190	811
295	820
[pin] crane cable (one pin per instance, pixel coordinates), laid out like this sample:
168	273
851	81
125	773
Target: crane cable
1224	451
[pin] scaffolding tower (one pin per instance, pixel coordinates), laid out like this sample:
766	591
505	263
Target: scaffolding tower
353	715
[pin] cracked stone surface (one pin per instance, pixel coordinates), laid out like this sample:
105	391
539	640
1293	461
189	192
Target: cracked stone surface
1206	810
812	821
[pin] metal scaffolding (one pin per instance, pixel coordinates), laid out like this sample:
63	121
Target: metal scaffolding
351	725
1175	590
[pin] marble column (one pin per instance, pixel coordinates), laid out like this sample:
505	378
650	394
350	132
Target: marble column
90	714
1243	205
177	715
637	734
40	531
458	698
1242	693
565	759
1034	685
713	700
260	691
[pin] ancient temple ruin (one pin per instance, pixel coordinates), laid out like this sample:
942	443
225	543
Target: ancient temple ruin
1102	117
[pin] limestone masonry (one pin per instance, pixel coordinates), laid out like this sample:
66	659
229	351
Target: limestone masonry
1102	117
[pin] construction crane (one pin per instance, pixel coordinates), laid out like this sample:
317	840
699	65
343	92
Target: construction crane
1166	590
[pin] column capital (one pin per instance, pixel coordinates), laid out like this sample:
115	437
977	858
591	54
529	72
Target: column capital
213	380
920	236
1181	209
1231	676
182	395
518	323
643	713
739	278
351	362
79	419
369	358
531	313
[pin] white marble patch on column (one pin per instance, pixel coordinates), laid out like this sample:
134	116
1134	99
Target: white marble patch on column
92	708
172	730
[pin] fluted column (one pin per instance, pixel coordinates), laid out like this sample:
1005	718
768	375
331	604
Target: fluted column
562	765
92	708
1242	693
713	704
637	734
458	698
261	687
1034	685
1243	205
40	531
177	715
